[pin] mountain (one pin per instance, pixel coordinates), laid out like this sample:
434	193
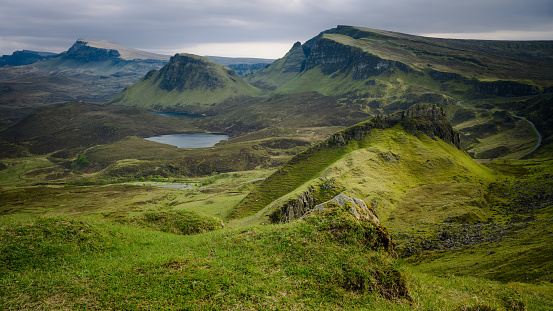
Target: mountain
358	59
242	66
356	73
186	80
24	57
100	57
91	70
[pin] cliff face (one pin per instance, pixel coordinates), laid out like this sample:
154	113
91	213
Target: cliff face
295	208
80	51
334	57
362	54
25	57
429	120
187	72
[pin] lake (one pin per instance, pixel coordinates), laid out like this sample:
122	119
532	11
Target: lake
195	140
177	114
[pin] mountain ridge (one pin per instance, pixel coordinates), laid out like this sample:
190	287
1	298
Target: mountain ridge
187	79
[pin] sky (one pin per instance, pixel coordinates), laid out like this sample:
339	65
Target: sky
257	28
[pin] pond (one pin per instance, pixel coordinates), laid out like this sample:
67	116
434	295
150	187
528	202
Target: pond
177	114
195	140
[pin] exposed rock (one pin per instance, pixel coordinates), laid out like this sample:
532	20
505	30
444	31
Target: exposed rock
375	236
81	51
333	57
295	208
25	57
505	88
359	208
425	119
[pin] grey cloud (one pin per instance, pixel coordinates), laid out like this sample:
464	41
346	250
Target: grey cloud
171	23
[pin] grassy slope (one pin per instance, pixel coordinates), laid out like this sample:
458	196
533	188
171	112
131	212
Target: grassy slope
63	263
511	243
79	126
379	168
147	91
485	60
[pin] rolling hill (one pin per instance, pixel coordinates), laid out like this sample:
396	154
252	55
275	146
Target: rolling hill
186	80
356	73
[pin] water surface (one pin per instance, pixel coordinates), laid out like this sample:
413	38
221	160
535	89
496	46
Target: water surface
195	140
177	114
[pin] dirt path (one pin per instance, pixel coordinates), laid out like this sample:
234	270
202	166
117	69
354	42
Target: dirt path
519	117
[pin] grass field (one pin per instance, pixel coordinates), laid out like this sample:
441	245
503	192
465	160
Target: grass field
65	263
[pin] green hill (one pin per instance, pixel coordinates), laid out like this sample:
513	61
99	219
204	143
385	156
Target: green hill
186	80
472	237
377	159
351	58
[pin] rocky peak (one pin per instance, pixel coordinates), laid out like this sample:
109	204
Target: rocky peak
192	72
102	50
81	51
357	207
419	119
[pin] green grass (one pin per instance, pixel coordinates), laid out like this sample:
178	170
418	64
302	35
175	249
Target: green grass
21	171
122	267
378	169
64	263
177	222
501	231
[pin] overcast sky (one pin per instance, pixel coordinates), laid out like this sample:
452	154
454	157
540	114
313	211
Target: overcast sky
257	28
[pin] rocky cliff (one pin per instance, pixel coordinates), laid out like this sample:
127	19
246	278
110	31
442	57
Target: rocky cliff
419	119
190	72
81	51
186	79
334	57
25	57
485	68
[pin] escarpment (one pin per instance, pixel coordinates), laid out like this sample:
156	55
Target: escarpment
419	119
422	119
187	72
334	57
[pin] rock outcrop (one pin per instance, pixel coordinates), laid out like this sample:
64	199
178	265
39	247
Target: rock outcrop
357	207
362	216
419	119
25	57
295	208
334	57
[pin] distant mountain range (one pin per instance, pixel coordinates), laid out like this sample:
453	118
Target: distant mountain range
25	57
338	78
374	66
90	70
347	74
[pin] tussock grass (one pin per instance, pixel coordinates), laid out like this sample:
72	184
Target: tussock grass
320	263
379	169
177	222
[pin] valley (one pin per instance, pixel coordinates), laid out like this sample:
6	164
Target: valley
444	144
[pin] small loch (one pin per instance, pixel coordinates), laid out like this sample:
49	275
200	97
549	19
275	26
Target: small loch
178	114
194	140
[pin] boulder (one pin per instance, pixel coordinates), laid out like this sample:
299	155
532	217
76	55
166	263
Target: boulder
358	208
